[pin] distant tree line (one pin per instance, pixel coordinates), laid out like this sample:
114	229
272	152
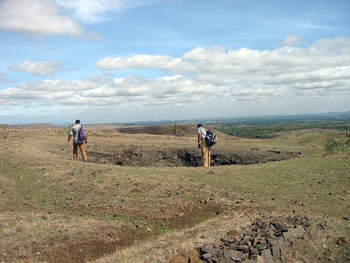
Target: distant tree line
266	128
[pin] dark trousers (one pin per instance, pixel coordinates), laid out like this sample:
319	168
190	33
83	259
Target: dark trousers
82	151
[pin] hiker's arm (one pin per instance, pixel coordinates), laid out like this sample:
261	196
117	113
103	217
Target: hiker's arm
69	137
199	140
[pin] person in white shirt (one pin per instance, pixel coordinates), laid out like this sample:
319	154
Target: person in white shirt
77	143
201	131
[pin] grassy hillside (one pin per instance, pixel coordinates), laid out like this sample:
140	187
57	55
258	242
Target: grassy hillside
54	209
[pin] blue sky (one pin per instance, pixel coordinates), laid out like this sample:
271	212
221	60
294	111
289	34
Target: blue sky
136	60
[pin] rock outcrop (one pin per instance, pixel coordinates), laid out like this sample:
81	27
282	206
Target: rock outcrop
267	239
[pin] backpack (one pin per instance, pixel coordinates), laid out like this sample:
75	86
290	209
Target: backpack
82	134
210	138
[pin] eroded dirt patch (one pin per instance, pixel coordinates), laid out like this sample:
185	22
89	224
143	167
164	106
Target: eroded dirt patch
102	241
170	157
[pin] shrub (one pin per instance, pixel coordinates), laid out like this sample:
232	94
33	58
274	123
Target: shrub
333	146
347	143
5	132
175	130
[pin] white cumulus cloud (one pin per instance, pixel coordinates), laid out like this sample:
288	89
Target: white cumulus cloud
139	62
36	17
96	10
37	68
294	78
293	41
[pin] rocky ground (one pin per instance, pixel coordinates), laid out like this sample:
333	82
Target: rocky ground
267	239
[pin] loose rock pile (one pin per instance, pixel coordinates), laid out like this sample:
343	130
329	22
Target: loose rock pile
268	239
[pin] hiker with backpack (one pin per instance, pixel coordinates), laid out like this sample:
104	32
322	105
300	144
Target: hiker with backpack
206	139
79	135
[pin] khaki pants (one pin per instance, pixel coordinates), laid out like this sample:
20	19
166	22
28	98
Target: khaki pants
206	150
82	150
